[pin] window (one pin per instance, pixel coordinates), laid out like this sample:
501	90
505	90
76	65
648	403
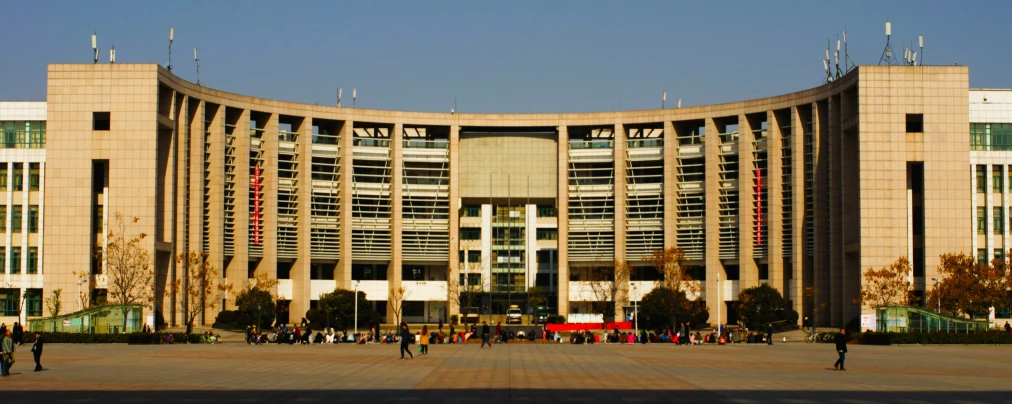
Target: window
472	280
10	306
472	211
3	176
915	123
546	211
33	302
998	255
33	261
999	220
473	257
101	121
15	260
33	177
413	309
16	218
548	234
3	259
470	234
3	218
982	255
980	179
996	179
33	219
413	273
981	220
98	219
18	177
96	261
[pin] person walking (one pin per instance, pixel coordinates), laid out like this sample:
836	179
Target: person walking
423	340
484	335
841	348
406	338
37	351
19	333
6	354
769	334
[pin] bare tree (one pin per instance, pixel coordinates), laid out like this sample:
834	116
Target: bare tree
55	303
464	293
606	286
128	267
200	289
396	301
673	267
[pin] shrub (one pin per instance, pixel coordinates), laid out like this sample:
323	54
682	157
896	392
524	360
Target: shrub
789	316
133	338
894	338
226	316
454	319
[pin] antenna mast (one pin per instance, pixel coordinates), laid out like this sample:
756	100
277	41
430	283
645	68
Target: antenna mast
848	63
171	35
920	41
887	54
94	46
196	58
339	97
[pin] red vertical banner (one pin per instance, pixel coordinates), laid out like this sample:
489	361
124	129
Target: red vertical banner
256	206
759	205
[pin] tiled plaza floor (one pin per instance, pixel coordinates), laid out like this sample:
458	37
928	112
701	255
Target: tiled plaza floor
787	373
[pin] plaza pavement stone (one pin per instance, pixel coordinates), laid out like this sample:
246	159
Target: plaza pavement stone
523	373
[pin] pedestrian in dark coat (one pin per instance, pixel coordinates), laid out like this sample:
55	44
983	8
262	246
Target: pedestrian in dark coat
406	338
841	348
769	334
37	351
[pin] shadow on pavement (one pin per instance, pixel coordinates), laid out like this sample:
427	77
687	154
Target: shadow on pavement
494	396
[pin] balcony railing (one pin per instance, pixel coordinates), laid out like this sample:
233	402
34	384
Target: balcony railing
592	144
21	139
427	144
372	142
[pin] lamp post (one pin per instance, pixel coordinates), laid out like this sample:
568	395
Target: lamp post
80	301
719	331
938	294
356	311
636	311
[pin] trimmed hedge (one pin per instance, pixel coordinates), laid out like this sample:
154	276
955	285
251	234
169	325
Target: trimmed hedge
893	338
134	338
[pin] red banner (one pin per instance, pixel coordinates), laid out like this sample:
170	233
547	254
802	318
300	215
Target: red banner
759	205
256	205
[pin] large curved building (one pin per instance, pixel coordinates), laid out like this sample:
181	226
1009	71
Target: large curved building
802	189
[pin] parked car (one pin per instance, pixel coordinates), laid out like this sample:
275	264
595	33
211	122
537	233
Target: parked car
514	315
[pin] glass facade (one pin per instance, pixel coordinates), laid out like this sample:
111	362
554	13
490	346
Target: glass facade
991	136
23	134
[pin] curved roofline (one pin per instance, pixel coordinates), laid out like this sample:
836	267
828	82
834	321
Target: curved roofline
733	108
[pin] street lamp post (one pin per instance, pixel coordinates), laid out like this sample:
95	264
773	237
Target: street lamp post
80	304
356	311
719	331
938	294
636	312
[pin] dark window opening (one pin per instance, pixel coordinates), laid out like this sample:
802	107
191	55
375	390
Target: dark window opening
915	123
100	121
285	270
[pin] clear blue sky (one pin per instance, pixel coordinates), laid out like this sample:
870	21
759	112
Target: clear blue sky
499	56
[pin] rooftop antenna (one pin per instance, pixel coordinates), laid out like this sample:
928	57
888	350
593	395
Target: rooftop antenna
848	63
887	54
94	46
112	54
679	105
664	98
454	109
920	41
172	32
196	58
825	65
339	97
836	55
354	96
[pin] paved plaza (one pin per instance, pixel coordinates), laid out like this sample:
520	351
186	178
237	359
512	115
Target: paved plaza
529	373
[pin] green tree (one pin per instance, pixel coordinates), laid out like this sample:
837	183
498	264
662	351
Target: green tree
759	305
662	308
258	304
55	303
338	308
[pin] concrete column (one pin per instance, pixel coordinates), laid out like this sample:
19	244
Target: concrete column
343	276
798	211
302	268
453	273
237	271
747	270
269	204
620	191
562	279
212	122
820	158
772	178
670	183
833	172
714	268
394	271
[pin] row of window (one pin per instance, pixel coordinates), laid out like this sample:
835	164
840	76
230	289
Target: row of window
475	211
17	213
10	305
34	176
982	255
33	261
991	136
23	134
